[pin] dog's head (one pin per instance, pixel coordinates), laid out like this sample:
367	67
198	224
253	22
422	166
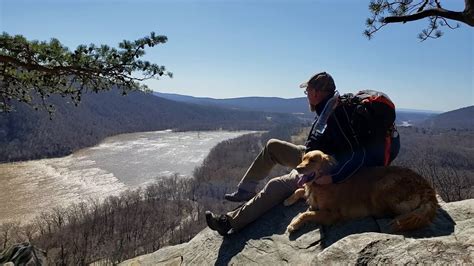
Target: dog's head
315	162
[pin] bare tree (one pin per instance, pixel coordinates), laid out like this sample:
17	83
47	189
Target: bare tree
5	234
28	232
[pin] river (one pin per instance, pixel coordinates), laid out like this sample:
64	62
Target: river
118	163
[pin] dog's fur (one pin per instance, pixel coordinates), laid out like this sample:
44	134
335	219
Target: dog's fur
377	191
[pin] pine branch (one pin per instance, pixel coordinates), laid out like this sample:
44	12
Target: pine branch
433	12
29	68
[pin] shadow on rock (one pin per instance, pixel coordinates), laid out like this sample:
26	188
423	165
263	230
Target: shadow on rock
333	233
266	242
442	225
268	227
258	238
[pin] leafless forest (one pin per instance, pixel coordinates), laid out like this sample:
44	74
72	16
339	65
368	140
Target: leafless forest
170	211
444	157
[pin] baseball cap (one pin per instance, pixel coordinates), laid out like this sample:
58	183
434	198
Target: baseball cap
320	81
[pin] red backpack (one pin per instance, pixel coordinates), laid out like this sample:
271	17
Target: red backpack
373	119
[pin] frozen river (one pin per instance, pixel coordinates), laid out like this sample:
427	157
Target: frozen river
118	163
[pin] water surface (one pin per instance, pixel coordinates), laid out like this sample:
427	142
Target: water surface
118	163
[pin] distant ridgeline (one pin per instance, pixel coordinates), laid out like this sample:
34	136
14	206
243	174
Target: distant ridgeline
462	118
29	134
406	117
262	104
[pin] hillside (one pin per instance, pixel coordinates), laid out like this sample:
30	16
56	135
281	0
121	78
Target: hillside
462	118
28	134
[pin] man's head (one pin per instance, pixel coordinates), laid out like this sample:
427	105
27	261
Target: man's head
318	87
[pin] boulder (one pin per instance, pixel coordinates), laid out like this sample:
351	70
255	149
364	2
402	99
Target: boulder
22	254
448	240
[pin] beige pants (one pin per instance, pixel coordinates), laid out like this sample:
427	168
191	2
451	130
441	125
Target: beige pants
276	190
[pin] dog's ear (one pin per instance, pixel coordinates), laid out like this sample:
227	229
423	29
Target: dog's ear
327	163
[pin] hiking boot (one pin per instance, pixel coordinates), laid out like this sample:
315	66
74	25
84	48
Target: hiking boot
239	196
218	223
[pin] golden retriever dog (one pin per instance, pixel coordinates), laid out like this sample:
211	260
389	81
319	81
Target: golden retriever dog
376	191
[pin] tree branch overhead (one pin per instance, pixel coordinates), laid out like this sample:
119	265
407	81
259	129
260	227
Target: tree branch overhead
33	69
402	11
434	12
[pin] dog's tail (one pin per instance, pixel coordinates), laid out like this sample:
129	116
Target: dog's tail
419	217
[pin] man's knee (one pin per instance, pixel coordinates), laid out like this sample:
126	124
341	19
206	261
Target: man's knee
273	144
278	189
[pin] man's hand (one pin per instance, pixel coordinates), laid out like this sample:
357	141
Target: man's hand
324	180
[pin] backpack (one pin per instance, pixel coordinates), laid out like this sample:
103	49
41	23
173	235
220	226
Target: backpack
373	120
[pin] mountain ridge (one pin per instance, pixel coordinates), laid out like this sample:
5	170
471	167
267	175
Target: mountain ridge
188	98
286	105
462	118
265	104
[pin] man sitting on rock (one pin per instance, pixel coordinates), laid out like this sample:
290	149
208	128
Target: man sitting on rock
332	132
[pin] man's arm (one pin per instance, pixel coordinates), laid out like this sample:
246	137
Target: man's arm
348	167
343	170
350	155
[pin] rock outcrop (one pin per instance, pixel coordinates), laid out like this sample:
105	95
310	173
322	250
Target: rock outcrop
22	254
448	240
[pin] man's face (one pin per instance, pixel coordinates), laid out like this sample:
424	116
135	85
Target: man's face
314	96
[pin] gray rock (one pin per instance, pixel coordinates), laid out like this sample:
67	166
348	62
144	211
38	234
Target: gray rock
22	254
449	240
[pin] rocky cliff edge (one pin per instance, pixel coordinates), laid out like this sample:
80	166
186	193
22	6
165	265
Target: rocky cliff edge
448	240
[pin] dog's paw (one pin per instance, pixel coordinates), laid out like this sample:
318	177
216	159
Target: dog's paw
290	229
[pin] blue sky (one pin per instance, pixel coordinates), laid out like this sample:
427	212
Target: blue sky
240	48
